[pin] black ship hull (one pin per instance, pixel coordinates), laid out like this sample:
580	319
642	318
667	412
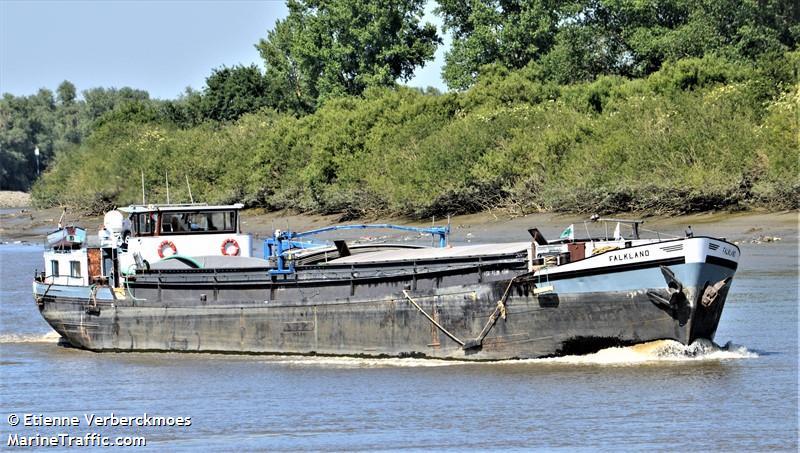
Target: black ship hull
465	310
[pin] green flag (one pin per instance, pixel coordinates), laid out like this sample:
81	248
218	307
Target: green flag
569	233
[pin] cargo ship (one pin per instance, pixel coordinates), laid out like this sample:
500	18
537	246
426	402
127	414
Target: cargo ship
183	278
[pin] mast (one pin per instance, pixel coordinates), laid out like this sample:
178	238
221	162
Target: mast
143	200
191	199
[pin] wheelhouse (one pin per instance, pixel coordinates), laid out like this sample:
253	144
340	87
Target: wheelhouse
157	220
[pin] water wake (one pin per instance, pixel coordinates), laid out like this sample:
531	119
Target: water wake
654	352
49	337
660	351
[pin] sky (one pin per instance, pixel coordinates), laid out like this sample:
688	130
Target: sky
162	47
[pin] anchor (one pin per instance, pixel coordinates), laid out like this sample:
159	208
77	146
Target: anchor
712	292
674	289
676	304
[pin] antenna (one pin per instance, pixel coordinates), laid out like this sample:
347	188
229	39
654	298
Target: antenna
191	199
143	200
166	178
588	235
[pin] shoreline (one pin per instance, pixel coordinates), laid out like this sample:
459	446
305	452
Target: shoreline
24	224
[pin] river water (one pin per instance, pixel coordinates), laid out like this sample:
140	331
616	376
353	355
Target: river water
742	395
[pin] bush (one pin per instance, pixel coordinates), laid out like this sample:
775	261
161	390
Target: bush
700	134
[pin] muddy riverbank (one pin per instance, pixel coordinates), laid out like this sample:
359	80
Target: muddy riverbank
25	224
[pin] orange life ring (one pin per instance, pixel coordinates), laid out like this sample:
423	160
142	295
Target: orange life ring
224	248
162	246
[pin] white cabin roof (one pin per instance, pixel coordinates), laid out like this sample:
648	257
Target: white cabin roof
179	207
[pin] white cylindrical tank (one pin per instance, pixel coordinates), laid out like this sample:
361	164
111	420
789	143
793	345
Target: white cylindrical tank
114	221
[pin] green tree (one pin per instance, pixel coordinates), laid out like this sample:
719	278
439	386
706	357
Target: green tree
325	49
26	122
56	124
98	101
582	39
508	32
232	92
66	93
68	111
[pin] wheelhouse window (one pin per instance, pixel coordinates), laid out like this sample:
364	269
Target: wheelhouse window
54	268
75	269
145	223
198	222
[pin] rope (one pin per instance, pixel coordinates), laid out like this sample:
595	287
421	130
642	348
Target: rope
500	310
92	309
49	285
603	249
93	295
439	326
127	285
40	299
660	233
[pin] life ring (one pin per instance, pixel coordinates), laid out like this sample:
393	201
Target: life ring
224	248
162	246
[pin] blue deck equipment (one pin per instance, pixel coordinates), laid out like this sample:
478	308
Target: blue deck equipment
283	241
